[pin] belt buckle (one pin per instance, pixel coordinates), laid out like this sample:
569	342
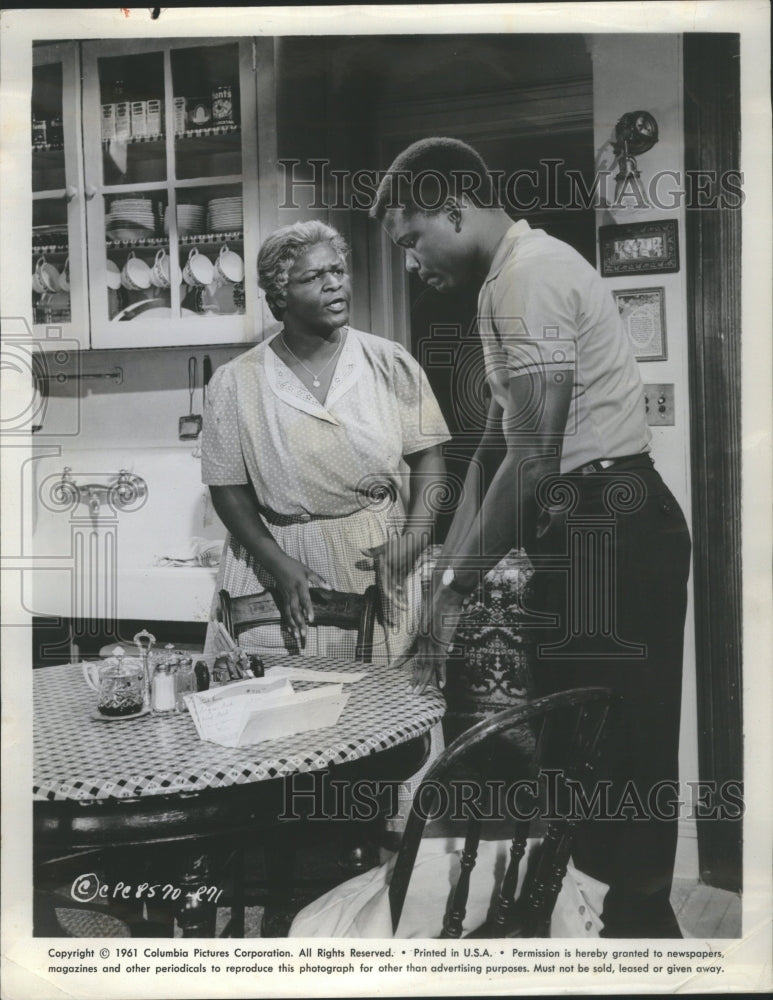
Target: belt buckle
590	467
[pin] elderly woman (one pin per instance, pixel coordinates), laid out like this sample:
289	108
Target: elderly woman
303	448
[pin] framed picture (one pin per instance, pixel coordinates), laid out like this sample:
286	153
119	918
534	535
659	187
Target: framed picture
643	313
639	248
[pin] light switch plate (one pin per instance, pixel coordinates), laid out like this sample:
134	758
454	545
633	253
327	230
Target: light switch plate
659	403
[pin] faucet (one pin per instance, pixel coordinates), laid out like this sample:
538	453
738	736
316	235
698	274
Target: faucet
120	492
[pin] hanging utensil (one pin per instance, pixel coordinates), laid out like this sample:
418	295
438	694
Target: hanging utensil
206	369
190	425
206	376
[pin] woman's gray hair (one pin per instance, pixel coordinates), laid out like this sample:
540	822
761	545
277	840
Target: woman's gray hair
282	248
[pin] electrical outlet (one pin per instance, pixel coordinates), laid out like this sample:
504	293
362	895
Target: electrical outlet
659	404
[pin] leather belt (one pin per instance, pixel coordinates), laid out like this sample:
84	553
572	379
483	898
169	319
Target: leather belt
283	520
602	464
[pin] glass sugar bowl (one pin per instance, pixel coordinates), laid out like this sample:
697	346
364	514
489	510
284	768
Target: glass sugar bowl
121	689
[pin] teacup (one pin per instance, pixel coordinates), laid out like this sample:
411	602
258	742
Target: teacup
64	277
229	265
45	277
135	276
113	275
159	272
199	269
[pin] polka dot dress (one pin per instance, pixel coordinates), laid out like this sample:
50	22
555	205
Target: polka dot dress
338	466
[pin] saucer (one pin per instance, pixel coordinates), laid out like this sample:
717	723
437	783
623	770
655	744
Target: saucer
98	717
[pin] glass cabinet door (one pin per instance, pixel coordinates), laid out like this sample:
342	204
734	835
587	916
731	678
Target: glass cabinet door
58	265
173	232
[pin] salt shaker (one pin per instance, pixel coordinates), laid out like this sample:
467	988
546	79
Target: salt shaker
163	695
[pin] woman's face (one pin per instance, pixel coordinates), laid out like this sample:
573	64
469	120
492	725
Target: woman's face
318	291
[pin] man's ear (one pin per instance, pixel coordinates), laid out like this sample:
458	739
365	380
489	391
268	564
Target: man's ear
453	209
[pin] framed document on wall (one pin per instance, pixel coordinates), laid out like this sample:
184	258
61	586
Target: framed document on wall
643	313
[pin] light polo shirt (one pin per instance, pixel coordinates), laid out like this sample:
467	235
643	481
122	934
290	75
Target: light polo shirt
543	308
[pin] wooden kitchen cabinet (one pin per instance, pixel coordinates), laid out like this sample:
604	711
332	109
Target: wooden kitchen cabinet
175	134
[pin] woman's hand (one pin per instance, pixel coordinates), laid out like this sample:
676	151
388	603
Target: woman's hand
293	580
394	561
430	650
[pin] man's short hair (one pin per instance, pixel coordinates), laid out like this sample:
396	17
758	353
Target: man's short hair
429	172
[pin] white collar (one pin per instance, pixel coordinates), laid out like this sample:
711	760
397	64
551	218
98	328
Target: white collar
289	388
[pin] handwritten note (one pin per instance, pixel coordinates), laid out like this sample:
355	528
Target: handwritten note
308	674
265	708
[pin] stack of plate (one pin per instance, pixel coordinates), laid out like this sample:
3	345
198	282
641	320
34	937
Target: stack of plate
130	219
190	219
50	238
224	214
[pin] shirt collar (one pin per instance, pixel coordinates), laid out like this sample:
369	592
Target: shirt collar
513	234
289	388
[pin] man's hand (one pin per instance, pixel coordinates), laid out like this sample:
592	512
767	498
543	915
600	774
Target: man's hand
430	650
394	561
293	581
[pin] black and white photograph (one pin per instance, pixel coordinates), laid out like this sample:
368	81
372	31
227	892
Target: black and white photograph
640	248
386	521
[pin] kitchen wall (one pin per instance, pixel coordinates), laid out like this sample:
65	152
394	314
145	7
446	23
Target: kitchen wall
644	72
106	565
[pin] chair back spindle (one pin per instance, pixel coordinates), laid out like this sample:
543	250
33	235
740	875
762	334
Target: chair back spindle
559	734
452	925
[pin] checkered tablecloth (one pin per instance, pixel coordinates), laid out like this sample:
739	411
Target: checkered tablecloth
77	757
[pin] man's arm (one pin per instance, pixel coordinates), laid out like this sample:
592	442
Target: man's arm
508	515
487	458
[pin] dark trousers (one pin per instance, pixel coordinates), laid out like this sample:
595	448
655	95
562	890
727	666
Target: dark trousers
612	562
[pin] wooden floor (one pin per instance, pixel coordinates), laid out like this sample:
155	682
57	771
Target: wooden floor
702	912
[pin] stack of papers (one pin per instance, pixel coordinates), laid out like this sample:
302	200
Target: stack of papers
263	708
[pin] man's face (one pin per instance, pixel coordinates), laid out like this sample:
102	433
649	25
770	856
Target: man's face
435	246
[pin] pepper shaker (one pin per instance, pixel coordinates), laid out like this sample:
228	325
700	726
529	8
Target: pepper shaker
185	682
201	670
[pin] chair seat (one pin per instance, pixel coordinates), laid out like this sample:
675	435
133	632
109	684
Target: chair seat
360	907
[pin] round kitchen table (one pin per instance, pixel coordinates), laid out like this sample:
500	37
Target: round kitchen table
152	780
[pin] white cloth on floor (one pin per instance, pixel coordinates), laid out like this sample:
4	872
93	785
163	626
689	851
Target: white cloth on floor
360	907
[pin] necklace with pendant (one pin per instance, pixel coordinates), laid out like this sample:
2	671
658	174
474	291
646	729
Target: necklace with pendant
314	378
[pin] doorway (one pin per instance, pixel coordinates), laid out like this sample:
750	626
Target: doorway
712	141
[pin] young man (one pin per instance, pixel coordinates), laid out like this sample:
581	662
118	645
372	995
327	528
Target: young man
563	470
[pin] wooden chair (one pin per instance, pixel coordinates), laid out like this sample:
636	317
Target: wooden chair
331	607
562	731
